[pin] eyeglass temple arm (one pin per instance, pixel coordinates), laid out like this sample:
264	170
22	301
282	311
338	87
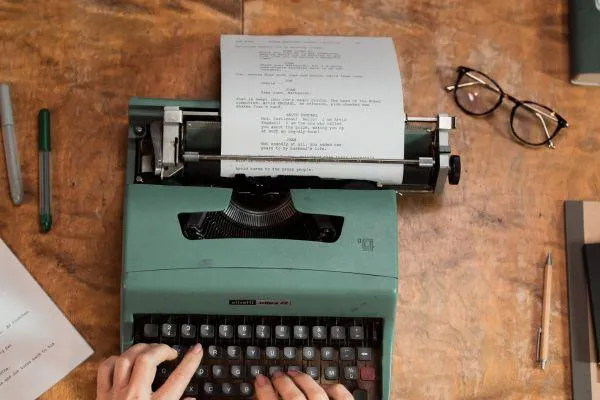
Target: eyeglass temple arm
462	85
539	113
478	81
550	143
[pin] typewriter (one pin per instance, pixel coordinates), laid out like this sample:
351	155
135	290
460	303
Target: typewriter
268	273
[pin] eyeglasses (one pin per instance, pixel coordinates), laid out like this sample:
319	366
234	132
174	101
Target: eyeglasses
531	123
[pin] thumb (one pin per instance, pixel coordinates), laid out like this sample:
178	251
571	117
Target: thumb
174	387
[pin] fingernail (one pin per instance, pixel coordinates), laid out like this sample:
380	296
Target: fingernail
277	374
261	380
197	349
292	373
189	398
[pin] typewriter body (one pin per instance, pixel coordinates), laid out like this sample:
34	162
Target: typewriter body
268	273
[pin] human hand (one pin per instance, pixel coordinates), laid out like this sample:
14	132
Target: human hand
130	375
297	386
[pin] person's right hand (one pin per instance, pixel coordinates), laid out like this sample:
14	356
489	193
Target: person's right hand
297	386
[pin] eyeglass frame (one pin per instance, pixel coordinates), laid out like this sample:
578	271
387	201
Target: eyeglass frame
553	115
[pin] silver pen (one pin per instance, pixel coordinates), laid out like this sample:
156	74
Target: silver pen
11	153
544	330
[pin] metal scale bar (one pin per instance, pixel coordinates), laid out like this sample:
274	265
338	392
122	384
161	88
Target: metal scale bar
420	162
197	157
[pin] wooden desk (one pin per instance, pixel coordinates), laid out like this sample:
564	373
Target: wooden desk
471	261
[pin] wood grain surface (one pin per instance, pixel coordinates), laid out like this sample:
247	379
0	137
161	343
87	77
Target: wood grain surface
471	261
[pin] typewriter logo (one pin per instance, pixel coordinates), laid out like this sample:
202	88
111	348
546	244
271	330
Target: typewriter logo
247	302
366	244
236	302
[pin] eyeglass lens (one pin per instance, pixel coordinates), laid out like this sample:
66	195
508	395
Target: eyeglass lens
533	124
477	94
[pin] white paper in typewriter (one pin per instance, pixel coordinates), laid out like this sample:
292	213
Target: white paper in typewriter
312	96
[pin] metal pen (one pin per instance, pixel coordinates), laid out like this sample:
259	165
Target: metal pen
45	176
544	329
11	153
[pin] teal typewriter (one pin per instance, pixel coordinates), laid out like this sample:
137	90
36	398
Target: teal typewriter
268	273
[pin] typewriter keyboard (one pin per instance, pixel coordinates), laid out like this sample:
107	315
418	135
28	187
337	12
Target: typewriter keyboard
237	348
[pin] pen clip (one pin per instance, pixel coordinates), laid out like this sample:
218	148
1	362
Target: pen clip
539	342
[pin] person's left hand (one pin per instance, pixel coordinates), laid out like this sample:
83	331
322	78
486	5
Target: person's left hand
130	375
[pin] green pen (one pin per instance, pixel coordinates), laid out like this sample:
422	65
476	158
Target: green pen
45	177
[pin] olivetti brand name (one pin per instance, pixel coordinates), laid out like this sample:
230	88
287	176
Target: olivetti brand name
245	302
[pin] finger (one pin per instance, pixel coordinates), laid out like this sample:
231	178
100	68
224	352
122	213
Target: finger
124	364
263	388
309	386
105	374
145	365
286	387
338	392
174	387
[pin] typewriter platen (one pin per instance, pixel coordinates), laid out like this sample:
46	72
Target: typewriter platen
268	273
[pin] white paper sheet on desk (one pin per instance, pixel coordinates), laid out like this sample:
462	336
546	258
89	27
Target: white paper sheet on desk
312	96
38	345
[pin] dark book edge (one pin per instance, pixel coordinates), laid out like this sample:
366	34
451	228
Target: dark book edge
591	254
578	303
573	72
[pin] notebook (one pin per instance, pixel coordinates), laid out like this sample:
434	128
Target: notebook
591	253
582	225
